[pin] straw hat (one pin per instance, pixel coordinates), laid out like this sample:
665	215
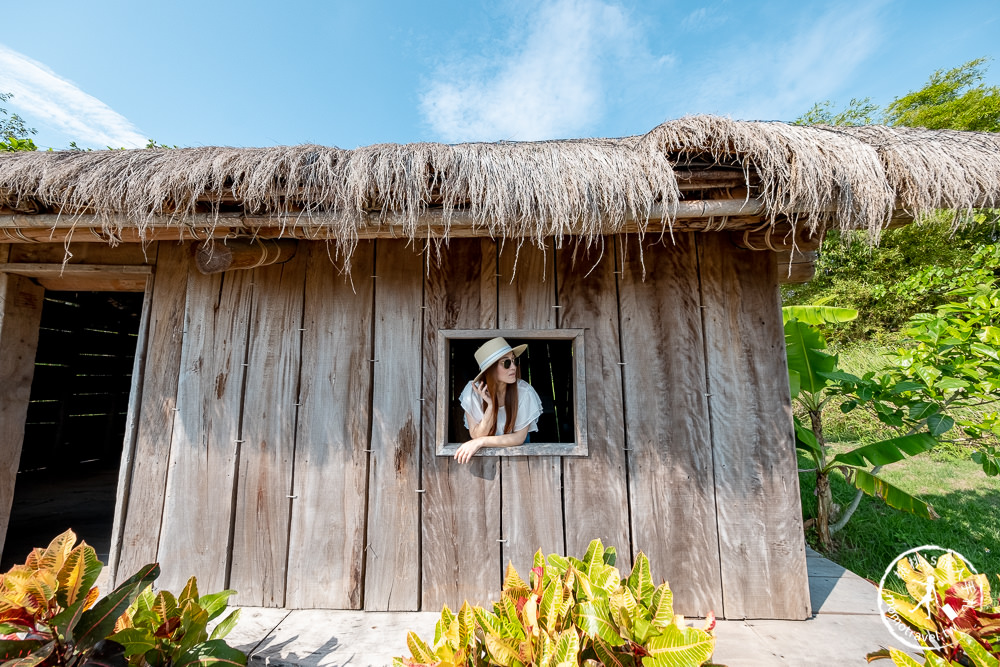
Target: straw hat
492	350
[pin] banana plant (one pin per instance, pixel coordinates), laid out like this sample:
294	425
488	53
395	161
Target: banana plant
572	612
815	381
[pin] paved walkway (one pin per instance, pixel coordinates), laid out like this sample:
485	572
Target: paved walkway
844	627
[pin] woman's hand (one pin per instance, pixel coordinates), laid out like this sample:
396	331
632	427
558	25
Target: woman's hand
467	449
483	392
465	452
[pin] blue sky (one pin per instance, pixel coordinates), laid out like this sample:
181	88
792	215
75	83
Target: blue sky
353	73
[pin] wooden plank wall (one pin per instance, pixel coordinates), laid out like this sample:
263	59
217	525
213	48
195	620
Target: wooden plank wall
671	483
761	546
307	477
327	537
460	558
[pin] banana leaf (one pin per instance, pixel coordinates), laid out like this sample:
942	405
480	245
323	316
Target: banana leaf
888	451
806	356
816	315
893	496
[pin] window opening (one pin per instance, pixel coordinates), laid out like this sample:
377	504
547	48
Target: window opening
552	365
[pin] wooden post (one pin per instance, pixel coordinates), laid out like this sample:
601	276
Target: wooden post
20	315
131	434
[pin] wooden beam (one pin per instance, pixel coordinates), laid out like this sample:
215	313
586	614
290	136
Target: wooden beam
20	315
87	277
212	257
779	237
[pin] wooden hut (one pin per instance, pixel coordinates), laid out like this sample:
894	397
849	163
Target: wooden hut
290	405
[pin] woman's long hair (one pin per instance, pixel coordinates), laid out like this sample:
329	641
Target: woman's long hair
509	399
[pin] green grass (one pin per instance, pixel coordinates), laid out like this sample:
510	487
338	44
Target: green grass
967	501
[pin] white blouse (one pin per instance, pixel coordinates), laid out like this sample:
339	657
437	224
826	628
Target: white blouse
529	408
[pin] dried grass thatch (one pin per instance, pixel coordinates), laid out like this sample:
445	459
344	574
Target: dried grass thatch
853	178
802	171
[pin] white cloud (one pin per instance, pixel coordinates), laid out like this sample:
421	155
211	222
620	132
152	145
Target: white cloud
553	83
47	100
780	79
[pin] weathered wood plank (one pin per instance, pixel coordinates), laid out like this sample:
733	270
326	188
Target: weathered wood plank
84	277
587	298
461	504
131	432
140	524
392	571
757	488
204	455
83	253
670	459
327	538
260	535
20	315
531	495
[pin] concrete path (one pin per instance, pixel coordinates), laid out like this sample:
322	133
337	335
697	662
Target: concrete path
844	627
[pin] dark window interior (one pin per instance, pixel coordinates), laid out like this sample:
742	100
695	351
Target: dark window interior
547	365
75	427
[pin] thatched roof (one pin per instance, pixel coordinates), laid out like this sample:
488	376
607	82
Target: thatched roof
695	172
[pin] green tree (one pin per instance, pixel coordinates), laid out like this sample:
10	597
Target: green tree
851	273
953	99
15	135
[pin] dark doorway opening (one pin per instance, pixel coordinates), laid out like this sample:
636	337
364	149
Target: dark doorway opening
75	428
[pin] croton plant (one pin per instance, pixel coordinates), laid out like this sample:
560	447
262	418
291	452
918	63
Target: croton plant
571	612
51	614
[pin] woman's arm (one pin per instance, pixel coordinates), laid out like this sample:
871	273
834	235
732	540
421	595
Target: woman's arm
479	429
465	452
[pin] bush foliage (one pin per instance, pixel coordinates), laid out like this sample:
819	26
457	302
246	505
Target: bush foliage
570	613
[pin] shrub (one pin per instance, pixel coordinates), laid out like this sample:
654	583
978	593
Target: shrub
51	615
948	609
572	612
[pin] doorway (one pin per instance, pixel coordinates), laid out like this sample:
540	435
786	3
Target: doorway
75	426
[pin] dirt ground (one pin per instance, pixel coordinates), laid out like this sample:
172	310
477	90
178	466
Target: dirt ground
47	502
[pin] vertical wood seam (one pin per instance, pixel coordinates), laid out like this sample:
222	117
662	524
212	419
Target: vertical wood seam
295	438
128	454
496	324
618	272
711	422
562	460
420	437
234	500
371	418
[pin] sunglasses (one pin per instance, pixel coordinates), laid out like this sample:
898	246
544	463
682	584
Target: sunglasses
507	363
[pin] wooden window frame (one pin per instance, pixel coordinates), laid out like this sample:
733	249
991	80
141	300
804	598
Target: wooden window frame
576	448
